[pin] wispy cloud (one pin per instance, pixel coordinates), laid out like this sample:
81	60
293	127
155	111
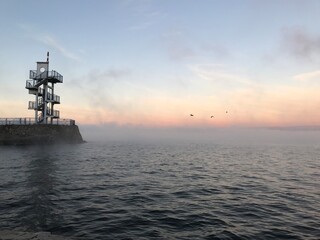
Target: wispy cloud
141	26
117	95
301	44
179	51
138	7
106	89
309	76
218	73
217	50
176	46
50	41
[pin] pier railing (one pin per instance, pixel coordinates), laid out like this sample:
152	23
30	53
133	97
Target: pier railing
31	121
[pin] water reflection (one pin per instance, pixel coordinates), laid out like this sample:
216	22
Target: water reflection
41	212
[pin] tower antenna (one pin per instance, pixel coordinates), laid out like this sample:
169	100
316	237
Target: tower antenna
47	56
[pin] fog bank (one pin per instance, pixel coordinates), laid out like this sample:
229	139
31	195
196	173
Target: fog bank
232	135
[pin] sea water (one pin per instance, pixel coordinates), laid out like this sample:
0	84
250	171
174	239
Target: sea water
136	190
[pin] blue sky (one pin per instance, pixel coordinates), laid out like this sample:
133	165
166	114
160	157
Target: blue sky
146	62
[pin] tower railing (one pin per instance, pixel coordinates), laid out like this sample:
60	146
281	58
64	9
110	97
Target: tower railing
31	121
31	105
31	84
53	113
53	97
46	74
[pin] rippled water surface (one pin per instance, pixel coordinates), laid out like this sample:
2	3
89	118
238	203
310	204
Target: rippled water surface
162	191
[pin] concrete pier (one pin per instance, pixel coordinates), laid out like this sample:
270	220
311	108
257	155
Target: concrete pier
17	235
39	134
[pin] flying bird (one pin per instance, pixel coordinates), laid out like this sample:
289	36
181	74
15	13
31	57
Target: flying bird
212	116
191	115
226	111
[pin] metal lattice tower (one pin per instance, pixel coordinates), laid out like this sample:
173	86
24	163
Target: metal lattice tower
41	84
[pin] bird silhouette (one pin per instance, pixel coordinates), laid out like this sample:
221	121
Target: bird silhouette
212	116
191	115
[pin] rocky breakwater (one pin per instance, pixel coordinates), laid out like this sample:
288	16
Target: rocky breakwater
39	134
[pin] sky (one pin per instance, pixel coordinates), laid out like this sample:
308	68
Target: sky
150	64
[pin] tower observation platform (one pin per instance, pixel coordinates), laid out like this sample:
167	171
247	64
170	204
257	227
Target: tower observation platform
41	85
46	126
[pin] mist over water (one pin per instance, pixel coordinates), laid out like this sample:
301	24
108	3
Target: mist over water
160	188
206	135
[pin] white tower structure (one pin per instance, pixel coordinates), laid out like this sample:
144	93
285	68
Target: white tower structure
41	84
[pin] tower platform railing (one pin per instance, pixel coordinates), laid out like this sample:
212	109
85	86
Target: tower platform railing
53	97
31	84
53	75
31	121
